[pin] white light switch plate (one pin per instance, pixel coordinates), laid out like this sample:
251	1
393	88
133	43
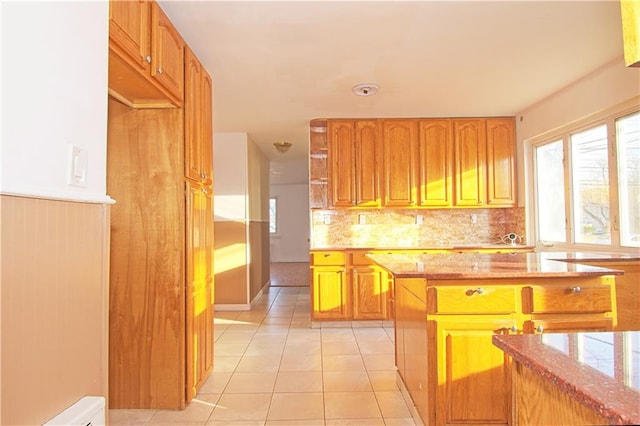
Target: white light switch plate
77	166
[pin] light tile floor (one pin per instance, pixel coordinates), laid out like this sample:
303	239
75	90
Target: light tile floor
272	368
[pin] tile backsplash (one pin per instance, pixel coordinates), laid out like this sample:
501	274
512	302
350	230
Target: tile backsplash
414	228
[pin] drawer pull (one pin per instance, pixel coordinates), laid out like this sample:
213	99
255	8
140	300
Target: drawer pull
575	289
327	254
478	290
513	329
539	329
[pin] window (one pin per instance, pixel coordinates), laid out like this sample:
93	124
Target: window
590	186
628	144
587	184
273	215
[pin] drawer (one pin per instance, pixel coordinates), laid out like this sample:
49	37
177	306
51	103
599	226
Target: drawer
567	299
328	258
360	258
472	300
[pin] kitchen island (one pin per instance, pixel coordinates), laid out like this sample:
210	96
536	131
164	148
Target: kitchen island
449	306
575	378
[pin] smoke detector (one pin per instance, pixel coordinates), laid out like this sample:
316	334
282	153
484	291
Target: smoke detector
365	89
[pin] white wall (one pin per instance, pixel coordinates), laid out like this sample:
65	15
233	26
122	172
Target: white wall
292	242
230	176
54	93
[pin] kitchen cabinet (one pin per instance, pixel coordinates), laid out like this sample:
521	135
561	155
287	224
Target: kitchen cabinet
348	286
399	156
466	379
370	287
501	155
159	168
415	163
436	163
470	162
627	291
318	167
198	122
330	289
199	287
353	152
146	56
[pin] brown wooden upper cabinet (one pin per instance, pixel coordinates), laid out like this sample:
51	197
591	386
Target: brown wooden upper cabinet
501	154
436	163
470	162
198	121
399	155
421	163
353	149
146	56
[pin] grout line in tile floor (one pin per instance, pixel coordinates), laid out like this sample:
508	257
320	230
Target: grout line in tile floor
272	368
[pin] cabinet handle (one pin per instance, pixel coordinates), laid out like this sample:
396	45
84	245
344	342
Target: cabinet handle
205	190
160	70
575	289
539	329
513	329
327	254
147	59
471	292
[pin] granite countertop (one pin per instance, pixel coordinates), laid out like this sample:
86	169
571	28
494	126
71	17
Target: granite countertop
597	375
434	247
485	265
578	257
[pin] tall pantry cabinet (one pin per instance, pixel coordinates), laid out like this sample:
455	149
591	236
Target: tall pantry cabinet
159	171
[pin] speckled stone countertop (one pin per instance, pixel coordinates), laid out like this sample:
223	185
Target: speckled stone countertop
578	257
481	265
597	376
449	247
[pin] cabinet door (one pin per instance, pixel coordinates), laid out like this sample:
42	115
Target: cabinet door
473	375
193	117
436	162
198	154
470	162
206	129
167	59
399	158
331	298
501	154
199	290
367	139
129	30
342	154
370	293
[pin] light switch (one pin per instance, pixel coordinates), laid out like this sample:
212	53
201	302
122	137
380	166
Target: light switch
362	219
419	219
77	167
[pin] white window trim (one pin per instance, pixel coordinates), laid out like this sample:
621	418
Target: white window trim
607	116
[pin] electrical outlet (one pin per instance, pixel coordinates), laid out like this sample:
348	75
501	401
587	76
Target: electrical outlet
474	218
362	219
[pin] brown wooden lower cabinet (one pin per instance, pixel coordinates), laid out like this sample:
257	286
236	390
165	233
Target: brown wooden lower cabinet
444	351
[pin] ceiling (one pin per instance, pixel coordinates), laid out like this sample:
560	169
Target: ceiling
277	65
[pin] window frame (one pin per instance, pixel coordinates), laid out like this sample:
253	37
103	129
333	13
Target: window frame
275	214
563	133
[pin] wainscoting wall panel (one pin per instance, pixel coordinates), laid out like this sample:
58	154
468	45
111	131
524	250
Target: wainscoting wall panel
54	306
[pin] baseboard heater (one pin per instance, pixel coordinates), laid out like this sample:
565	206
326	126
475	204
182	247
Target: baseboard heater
87	411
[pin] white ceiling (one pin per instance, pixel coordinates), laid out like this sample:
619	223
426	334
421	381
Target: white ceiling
277	65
